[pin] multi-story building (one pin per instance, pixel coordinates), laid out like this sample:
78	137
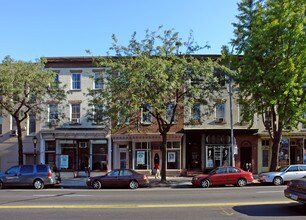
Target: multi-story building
70	142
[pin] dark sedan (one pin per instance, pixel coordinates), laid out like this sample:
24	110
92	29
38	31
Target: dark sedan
119	178
296	190
223	176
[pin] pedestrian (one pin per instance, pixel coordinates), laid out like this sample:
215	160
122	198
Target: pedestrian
157	171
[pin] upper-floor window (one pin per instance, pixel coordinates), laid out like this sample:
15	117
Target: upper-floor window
220	111
98	81
170	112
76	81
146	117
196	112
75	113
32	123
97	114
267	120
53	113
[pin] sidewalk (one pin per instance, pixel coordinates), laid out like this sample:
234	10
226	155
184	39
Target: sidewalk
172	181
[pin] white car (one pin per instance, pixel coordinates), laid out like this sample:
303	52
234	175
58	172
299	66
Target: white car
283	174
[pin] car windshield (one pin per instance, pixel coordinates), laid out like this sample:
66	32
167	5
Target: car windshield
282	169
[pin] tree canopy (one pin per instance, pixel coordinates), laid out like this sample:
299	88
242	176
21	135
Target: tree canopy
153	74
270	34
26	88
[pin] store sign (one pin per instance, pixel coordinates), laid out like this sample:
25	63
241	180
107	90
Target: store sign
64	161
140	157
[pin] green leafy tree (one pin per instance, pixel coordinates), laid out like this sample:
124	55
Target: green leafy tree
26	88
153	74
270	35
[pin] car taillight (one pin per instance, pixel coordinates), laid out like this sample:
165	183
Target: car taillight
145	177
288	184
49	175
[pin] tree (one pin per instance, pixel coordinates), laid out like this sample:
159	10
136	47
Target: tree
270	34
153	75
25	88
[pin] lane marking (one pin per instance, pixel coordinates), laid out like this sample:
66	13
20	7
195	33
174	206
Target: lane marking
142	206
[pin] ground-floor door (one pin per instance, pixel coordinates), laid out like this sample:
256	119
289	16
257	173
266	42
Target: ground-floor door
246	158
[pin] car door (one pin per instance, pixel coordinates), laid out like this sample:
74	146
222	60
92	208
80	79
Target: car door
26	175
111	179
291	173
124	178
233	175
219	177
11	176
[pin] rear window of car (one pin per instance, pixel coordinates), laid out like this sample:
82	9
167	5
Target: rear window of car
27	169
42	168
302	168
233	170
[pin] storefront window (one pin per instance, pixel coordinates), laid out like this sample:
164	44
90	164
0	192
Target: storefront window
99	156
173	155
142	153
217	156
265	153
67	157
284	152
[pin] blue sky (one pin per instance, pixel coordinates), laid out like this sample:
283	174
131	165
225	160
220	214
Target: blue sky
35	28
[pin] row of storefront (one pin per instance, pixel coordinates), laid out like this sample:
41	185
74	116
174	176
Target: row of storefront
193	151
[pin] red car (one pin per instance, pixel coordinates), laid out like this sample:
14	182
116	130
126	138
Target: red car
223	176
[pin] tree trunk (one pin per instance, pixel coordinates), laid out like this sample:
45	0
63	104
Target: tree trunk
164	149
275	150
20	144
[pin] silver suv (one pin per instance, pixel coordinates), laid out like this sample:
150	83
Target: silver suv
38	176
283	174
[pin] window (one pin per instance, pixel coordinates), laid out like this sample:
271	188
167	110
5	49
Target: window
99	156
26	169
53	113
142	154
304	124
42	168
98	81
32	123
170	112
196	112
75	113
267	120
220	111
76	81
126	173
146	117
173	155
98	115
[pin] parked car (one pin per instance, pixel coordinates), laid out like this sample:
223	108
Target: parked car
283	174
37	176
296	190
119	178
225	175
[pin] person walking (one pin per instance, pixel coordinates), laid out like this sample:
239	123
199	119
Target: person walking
157	171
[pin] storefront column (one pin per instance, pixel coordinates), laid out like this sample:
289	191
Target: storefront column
109	152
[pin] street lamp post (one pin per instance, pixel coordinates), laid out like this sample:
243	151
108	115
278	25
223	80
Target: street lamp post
35	152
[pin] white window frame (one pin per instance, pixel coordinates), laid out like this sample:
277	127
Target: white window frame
196	112
99	85
220	111
146	117
74	107
75	82
52	113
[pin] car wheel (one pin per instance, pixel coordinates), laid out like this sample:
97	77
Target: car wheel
205	183
96	184
241	182
133	184
278	181
38	184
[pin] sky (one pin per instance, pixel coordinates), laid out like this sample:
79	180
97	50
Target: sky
58	28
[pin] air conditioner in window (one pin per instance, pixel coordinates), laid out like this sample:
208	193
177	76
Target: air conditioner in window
219	120
53	121
75	121
82	144
13	132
